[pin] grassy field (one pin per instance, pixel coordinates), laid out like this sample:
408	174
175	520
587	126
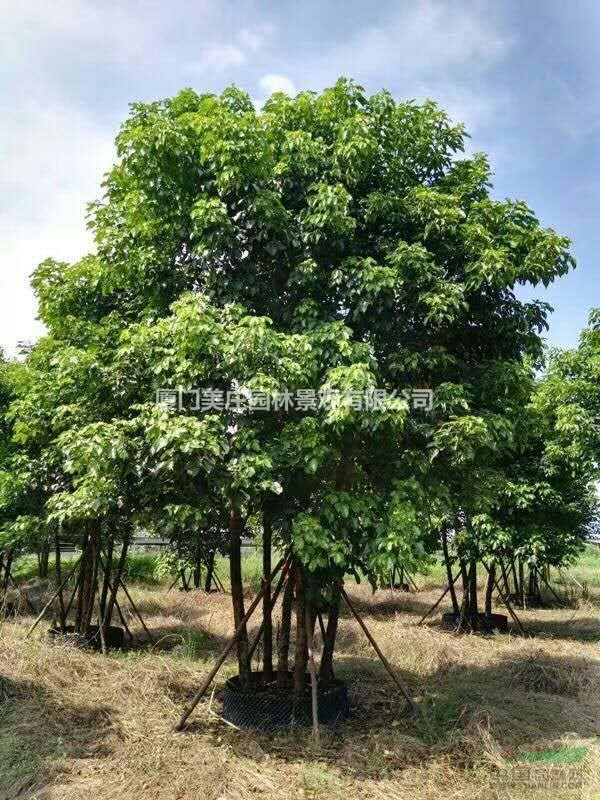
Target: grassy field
76	724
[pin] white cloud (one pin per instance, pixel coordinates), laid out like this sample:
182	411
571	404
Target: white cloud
53	159
66	68
78	60
232	52
423	37
277	83
428	48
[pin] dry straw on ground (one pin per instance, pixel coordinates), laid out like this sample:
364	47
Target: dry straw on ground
75	724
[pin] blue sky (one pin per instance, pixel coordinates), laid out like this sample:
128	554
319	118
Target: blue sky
523	76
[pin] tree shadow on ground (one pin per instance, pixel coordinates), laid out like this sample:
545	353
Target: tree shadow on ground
37	730
516	703
581	629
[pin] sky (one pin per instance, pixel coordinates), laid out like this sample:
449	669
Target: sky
523	76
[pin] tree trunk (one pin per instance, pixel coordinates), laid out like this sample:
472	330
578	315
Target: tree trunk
465	604
267	615
43	558
110	605
521	582
94	542
58	570
198	565
455	607
515	578
283	653
7	571
473	602
301	652
84	580
489	589
184	580
210	566
505	579
108	565
531	582
237	593
326	674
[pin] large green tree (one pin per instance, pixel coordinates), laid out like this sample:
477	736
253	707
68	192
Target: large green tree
334	240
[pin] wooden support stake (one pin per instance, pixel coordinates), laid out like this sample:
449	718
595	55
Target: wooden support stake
52	599
436	604
383	659
547	584
123	620
219	582
274	599
506	602
135	609
226	650
72	598
412	580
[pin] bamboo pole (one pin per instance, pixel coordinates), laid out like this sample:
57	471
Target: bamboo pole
375	646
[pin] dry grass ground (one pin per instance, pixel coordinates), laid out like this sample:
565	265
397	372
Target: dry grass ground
77	725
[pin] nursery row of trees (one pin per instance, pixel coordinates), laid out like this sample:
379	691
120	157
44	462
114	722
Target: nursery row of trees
338	242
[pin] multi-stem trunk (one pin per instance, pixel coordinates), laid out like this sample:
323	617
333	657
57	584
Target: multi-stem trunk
198	564
533	589
61	599
515	578
489	589
521	582
283	652
267	616
237	593
473	602
455	607
326	674
114	585
89	574
83	581
108	565
210	567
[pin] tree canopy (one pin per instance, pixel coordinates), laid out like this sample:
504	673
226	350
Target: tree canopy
332	242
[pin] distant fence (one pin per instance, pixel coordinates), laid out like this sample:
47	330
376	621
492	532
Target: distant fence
149	544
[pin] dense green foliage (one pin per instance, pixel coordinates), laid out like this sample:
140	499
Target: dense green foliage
335	242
